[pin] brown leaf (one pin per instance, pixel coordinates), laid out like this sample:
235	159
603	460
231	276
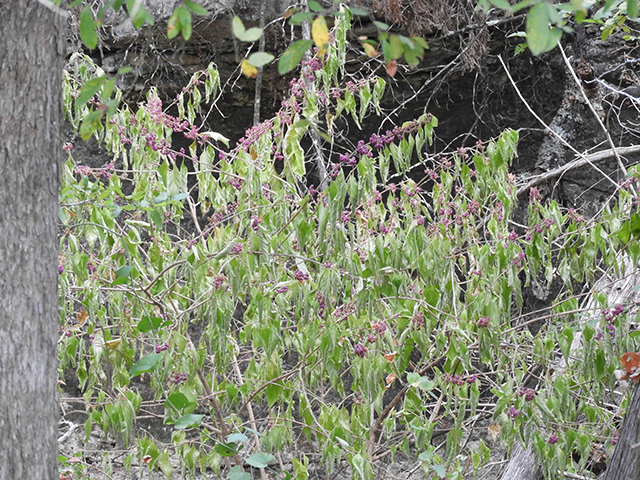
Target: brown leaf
392	68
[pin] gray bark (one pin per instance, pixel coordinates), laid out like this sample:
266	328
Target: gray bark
31	61
625	463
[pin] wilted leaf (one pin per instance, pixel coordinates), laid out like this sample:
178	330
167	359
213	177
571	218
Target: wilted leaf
248	70
494	431
390	379
392	68
113	344
370	50
320	33
82	317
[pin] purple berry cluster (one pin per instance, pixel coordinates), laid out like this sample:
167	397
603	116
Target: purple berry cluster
301	276
162	347
360	350
528	394
236	249
513	412
322	305
177	378
483	322
610	315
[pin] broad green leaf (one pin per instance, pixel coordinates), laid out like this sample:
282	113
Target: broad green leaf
503	4
632	8
236	473
173	26
314	6
226	449
300	17
237	438
89	89
184	17
251	35
149	323
138	13
292	56
259	59
164	462
260	460
195	8
542	36
88	28
382	26
145	364
122	275
188	421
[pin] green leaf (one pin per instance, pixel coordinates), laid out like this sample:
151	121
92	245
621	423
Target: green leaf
226	449
188	421
632	8
260	59
251	35
88	28
439	470
138	14
165	464
503	4
237	438
300	17
89	89
541	35
124	70
176	400
600	363
124	272
292	56
260	460
149	323
90	124
173	26
358	11
315	6
236	473
145	364
122	275
381	26
195	8
184	16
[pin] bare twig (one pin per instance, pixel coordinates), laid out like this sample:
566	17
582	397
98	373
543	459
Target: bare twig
575	164
549	129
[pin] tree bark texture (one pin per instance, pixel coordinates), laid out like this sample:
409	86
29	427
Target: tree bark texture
32	48
625	464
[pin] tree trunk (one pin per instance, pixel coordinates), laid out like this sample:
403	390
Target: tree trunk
625	464
32	50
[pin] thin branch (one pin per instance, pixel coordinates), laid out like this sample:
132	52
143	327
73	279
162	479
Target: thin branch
548	128
575	164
